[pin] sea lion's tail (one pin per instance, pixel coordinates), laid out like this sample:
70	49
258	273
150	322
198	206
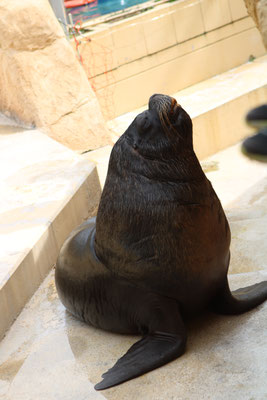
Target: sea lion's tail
149	353
241	300
165	341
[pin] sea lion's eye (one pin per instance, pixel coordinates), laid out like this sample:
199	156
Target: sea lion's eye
143	122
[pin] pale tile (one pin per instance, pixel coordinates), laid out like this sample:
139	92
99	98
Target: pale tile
191	45
98	52
159	30
215	13
229	30
129	40
135	67
188	21
164	56
233	52
238	9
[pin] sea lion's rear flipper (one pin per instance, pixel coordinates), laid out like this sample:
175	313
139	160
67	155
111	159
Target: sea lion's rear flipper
164	342
147	354
241	300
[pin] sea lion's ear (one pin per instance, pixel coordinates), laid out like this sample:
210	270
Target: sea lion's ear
143	122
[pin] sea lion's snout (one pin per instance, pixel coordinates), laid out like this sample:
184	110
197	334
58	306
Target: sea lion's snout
163	104
161	131
174	120
166	107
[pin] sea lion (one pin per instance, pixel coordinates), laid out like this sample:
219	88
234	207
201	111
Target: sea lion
158	250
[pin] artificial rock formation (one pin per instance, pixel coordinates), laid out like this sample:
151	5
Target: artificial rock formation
257	9
41	81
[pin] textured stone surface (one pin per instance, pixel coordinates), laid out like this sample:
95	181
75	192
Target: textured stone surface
251	7
257	9
41	81
46	191
262	18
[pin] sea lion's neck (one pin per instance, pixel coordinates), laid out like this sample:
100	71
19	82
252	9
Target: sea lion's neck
174	167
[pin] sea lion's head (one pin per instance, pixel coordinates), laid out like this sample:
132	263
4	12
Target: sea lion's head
162	131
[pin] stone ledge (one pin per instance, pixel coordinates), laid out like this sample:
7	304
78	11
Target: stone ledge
46	190
217	107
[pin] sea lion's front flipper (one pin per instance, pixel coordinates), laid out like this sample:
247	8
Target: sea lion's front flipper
164	342
151	352
240	300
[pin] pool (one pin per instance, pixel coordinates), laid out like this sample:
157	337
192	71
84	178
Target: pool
99	8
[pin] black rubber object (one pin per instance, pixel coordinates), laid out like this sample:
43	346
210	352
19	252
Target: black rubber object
256	146
257	117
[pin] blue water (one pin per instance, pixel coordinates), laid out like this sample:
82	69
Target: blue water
99	8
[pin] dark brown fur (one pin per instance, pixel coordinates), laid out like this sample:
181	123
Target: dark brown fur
159	250
160	224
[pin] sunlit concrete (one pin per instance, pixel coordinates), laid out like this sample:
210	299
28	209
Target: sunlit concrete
46	190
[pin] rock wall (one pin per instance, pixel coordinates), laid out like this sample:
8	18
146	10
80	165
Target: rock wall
41	81
257	9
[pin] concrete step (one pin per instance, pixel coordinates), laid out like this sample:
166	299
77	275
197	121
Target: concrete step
48	354
46	190
217	106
